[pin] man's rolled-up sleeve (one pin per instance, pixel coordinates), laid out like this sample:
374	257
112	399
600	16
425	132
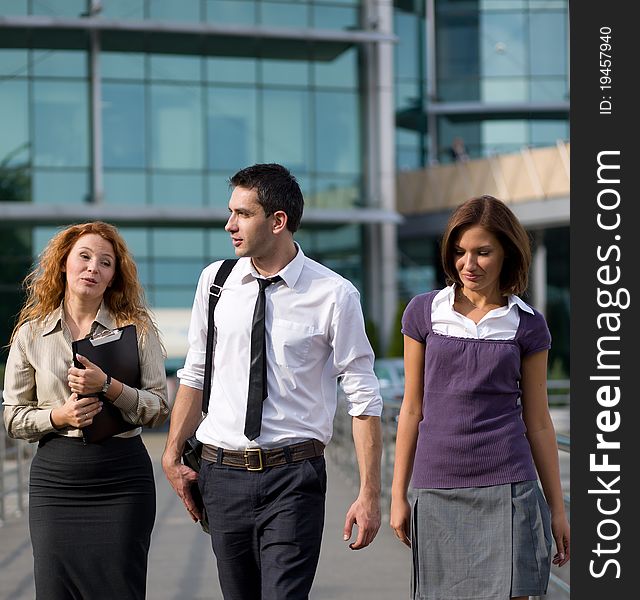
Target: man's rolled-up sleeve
353	358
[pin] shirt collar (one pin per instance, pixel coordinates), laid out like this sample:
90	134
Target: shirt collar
290	273
104	318
53	322
513	299
449	294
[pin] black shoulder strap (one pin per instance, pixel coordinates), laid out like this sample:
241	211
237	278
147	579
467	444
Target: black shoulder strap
214	295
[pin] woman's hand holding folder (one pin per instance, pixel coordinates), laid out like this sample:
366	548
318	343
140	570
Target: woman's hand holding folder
111	353
91	379
86	380
76	412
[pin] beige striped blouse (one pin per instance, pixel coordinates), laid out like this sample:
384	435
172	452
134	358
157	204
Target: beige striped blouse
36	379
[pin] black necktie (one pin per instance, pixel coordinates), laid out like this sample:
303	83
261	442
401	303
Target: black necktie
258	367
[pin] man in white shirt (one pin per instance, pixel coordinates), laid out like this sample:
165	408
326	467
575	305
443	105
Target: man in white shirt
264	492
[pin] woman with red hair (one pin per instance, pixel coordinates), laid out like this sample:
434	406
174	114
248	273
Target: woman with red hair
91	505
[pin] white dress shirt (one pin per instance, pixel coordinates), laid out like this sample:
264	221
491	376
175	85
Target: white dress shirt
314	335
498	324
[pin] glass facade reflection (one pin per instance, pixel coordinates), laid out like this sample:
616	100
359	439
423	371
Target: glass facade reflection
485	61
496	74
326	14
155	121
158	122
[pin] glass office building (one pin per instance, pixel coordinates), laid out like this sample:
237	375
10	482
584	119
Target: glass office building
138	111
494	73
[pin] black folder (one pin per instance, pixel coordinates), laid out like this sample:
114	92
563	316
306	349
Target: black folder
116	353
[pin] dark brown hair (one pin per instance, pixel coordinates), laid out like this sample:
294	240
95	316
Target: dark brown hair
496	217
276	188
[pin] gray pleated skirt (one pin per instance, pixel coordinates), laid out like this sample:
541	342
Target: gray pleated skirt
485	543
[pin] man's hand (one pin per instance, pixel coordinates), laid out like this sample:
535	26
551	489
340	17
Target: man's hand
185	417
181	479
365	513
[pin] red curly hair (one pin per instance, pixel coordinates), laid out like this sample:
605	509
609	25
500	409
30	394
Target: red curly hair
45	285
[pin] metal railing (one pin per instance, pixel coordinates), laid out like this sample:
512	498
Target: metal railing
15	459
558	392
341	452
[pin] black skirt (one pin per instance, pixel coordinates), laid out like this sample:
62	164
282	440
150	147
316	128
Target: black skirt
91	511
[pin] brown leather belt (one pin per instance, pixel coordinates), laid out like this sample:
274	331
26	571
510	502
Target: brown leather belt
257	459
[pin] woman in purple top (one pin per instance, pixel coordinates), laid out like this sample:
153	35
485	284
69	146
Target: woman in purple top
474	433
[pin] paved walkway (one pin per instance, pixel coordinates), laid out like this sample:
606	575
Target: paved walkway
181	564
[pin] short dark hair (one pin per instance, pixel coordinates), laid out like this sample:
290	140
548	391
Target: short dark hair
496	217
277	189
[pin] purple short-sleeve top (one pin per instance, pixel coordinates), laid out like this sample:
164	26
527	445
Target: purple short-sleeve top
472	433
